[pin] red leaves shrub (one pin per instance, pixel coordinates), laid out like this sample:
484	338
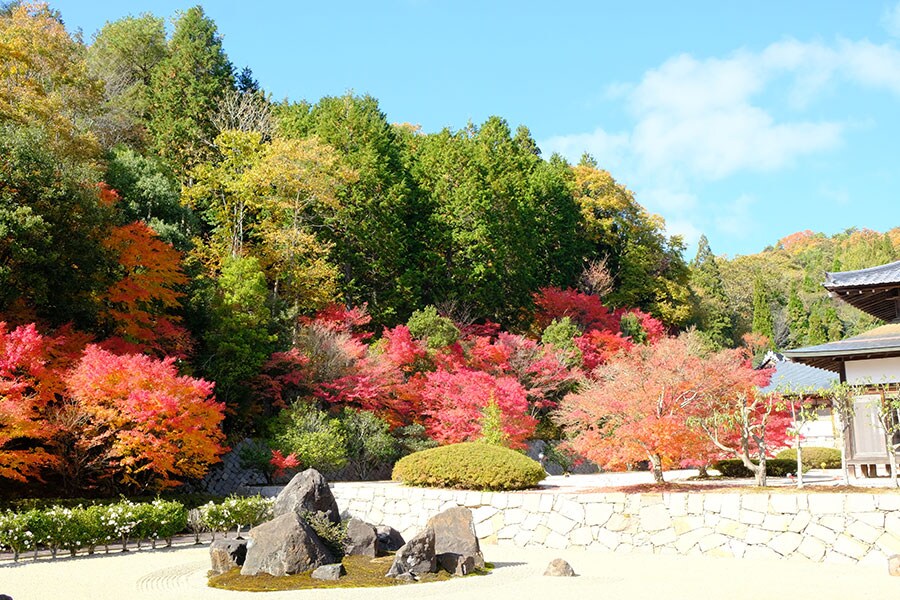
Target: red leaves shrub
157	426
585	310
454	403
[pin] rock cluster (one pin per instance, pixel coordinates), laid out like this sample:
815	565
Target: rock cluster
287	545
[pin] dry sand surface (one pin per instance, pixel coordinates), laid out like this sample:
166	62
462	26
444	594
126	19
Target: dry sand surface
181	573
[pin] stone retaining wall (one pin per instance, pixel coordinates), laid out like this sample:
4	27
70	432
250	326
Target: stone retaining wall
854	527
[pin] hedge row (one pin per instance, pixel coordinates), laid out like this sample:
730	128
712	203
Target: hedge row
80	527
776	467
814	457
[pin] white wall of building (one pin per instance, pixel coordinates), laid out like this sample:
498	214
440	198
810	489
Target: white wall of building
875	370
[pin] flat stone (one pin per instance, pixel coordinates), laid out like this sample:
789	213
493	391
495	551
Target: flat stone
889	501
812	549
785	543
598	514
758	536
783	503
826	504
851	547
559	568
777	523
571	510
823	533
755	502
560	524
863	532
732	529
859	503
227	554
329	572
416	556
888	543
750	517
307	492
581	536
286	545
654	518
684	524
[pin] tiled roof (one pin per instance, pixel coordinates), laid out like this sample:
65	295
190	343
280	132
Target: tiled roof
881	341
880	275
790	377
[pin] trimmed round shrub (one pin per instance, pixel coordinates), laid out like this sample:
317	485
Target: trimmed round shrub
775	467
469	465
814	457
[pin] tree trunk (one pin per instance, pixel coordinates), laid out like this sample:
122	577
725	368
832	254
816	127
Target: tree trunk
799	464
656	467
892	458
761	470
702	472
845	469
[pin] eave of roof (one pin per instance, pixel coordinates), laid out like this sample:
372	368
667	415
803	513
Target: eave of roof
881	275
881	342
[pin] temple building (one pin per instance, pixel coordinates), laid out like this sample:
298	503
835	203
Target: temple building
870	360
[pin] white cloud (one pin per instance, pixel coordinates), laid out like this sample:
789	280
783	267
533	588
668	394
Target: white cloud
891	20
695	121
737	218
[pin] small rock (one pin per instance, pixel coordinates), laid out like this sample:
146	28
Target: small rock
404	577
284	546
226	555
329	572
361	539
307	492
389	539
456	564
5	597
416	556
894	565
559	568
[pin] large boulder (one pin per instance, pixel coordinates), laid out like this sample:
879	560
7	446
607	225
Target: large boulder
284	546
416	556
389	539
307	492
227	554
454	533
361	539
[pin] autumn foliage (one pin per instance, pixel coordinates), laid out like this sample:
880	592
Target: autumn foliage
94	418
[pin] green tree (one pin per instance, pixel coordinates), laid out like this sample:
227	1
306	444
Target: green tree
647	265
428	325
798	319
711	305
52	224
186	87
380	230
763	322
123	56
237	339
818	333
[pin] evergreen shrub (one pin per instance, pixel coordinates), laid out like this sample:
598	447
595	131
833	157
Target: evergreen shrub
814	457
469	465
776	467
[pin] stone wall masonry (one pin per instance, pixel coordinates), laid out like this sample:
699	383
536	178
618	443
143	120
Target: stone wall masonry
840	527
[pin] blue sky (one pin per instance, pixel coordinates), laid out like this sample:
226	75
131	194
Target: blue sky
745	124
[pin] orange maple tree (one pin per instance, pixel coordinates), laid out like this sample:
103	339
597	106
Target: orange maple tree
141	303
155	425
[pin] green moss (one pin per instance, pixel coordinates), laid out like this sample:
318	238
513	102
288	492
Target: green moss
469	465
362	571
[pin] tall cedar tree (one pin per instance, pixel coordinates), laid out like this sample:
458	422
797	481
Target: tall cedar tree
712	305
186	88
763	321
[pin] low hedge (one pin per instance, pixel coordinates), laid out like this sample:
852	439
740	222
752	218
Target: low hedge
87	527
776	467
469	465
815	457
